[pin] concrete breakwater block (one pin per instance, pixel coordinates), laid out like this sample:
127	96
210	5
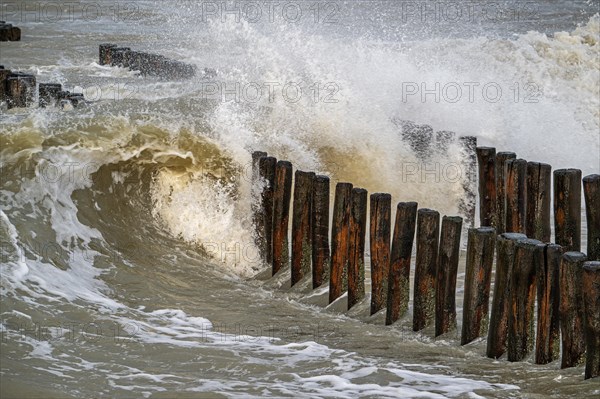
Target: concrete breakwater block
9	33
148	64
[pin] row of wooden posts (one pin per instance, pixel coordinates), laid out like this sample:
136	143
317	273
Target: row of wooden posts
18	91
515	226
147	64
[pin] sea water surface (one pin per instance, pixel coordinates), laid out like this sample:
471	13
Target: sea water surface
128	264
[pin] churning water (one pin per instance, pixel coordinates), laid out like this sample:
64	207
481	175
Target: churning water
127	248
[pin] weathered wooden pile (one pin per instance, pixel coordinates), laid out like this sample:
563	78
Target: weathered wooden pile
514	205
9	33
146	63
18	90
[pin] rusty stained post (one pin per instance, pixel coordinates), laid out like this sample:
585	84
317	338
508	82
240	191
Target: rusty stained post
498	329
340	236
478	278
547	341
447	269
567	208
428	231
486	159
528	253
501	159
380	223
591	190
266	170
281	213
571	309
539	189
399	275
301	229
356	258
516	195
591	301
320	230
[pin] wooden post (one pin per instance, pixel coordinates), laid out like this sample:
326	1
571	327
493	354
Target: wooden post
402	245
356	258
516	195
256	156
256	205
380	223
486	159
567	208
320	230
591	300
498	329
478	278
282	195
547	341
466	206
266	169
4	74
591	189
20	90
48	94
9	33
340	235
501	159
572	309
121	56
428	231
15	33
539	189
301	229
118	56
447	268
105	53
522	300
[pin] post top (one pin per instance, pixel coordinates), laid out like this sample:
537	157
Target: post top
592	266
506	154
487	230
286	164
411	204
454	219
574	256
513	236
529	243
427	211
322	178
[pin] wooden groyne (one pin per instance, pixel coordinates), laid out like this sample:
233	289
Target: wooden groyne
148	64
18	90
531	270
